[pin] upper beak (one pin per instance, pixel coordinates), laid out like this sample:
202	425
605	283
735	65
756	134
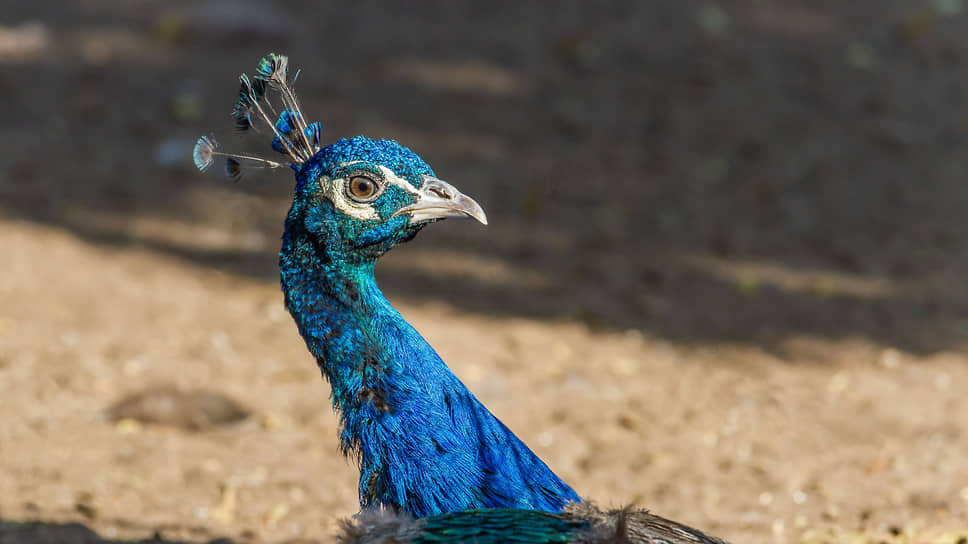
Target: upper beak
438	199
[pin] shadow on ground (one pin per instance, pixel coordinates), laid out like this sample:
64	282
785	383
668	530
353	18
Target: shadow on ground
701	172
40	532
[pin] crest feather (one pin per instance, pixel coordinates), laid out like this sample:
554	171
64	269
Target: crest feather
292	136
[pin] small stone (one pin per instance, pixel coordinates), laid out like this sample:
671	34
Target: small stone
165	405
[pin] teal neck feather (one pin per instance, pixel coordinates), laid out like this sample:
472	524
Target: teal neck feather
424	443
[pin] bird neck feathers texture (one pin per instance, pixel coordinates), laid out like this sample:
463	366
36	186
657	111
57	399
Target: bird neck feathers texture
425	445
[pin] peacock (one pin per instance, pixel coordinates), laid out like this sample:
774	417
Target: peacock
426	447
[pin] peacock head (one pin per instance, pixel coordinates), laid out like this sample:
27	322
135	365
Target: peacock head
359	196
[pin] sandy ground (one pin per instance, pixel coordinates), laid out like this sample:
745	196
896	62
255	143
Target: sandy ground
722	280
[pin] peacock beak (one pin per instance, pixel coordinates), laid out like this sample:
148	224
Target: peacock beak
438	199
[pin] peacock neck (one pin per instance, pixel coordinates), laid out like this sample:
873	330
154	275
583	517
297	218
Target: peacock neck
424	443
350	328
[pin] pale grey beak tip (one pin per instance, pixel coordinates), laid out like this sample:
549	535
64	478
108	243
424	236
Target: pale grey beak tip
474	210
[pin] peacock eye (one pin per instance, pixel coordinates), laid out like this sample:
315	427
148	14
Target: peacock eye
362	188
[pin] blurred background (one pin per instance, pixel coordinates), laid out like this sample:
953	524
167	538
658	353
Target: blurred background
722	279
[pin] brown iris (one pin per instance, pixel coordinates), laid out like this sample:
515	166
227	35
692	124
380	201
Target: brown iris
362	188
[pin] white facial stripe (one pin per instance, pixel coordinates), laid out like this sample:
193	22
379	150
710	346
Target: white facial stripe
334	190
397	181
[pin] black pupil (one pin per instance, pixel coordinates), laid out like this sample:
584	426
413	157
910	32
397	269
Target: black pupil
362	187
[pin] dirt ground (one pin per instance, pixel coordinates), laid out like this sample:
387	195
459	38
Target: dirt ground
723	277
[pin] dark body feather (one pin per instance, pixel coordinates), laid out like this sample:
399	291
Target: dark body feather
577	524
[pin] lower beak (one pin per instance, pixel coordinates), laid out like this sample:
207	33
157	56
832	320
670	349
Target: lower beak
438	199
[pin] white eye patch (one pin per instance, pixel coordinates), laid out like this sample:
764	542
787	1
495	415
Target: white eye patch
335	191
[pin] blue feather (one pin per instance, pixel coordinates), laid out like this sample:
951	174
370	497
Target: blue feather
273	67
233	168
314	133
425	444
286	124
204	152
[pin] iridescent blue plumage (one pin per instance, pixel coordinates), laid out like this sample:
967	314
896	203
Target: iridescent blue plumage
287	123
425	444
426	447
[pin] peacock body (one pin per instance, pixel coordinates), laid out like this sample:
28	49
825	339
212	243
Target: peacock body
425	446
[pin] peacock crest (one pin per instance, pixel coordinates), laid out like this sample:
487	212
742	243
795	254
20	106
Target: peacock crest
265	96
